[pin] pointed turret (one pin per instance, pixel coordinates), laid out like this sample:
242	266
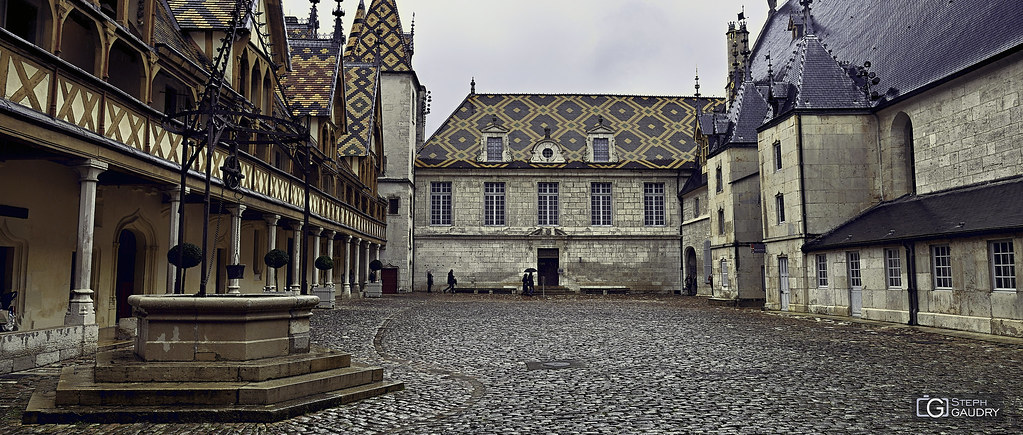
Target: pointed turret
738	50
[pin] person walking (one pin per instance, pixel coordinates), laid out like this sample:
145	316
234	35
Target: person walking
451	281
525	284
532	285
429	282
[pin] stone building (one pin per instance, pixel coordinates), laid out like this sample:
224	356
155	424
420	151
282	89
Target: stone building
377	38
889	172
90	163
582	188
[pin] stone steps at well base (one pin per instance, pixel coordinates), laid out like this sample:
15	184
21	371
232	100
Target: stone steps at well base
42	409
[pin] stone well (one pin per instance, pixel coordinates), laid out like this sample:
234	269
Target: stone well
222	327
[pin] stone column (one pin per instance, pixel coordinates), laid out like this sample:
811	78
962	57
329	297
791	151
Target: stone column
233	285
329	275
81	310
365	266
271	244
347	271
296	259
315	282
175	223
355	267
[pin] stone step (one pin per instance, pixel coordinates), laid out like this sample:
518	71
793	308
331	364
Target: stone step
42	409
77	386
123	366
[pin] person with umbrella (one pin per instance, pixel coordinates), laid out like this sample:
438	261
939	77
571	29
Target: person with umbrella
527	282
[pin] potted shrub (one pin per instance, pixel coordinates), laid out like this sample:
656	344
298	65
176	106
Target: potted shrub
374	289
185	256
324	262
276	259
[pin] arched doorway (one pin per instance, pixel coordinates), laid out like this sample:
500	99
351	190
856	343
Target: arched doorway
690	280
128	271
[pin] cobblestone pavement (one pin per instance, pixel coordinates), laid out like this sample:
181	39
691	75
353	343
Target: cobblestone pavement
635	365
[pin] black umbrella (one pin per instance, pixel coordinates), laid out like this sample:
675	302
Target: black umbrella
530	270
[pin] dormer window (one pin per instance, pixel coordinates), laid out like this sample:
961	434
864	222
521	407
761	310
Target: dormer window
495	148
600	144
493	145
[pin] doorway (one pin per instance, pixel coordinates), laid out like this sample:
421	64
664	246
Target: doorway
127	260
783	282
690	278
547	266
389	279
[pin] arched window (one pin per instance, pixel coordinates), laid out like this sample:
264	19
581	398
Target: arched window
254	91
125	69
268	94
901	164
243	75
79	42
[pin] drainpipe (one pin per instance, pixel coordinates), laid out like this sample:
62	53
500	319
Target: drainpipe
911	287
802	200
880	169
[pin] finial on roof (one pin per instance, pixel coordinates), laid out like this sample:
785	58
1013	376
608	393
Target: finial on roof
472	86
600	120
546	132
413	30
773	5
697	82
314	23
338	30
742	14
806	16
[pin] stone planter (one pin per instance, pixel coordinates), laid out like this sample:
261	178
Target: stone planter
374	289
239	327
327	295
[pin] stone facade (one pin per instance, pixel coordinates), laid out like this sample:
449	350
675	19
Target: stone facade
696	255
626	254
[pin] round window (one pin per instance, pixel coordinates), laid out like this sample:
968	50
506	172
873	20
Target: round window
547	153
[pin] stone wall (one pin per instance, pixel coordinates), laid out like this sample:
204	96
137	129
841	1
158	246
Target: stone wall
695	232
966	131
627	253
24	350
402	130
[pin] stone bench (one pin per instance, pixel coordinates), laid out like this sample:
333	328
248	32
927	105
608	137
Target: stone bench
604	290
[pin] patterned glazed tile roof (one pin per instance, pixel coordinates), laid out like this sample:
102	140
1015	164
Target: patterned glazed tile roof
379	28
361	84
166	32
202	14
312	81
649	131
960	212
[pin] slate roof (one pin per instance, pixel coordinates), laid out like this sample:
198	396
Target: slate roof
362	82
650	131
967	211
379	28
167	32
313	77
203	14
910	43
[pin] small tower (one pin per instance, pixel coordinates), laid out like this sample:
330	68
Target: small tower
737	40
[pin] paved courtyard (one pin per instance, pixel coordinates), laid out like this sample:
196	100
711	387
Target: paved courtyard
474	364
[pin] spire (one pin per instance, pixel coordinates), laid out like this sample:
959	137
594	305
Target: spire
314	23
697	82
356	48
338	28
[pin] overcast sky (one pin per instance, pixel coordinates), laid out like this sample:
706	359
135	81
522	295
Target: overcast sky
636	47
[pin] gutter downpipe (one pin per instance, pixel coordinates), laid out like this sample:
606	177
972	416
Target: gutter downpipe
914	297
802	203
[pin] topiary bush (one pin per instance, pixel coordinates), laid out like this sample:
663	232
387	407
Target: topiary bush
276	259
324	262
189	256
375	265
